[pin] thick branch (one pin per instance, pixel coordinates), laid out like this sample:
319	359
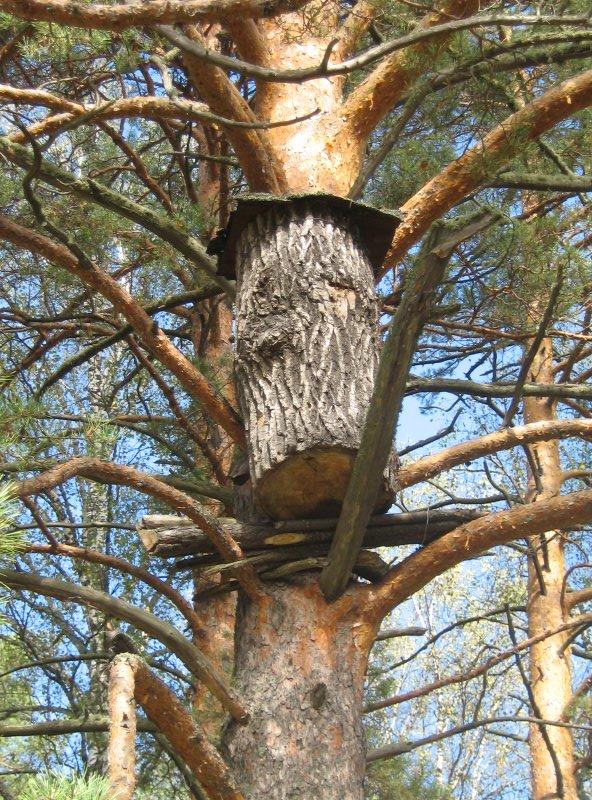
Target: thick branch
473	169
420	35
64	727
155	340
107	472
99	16
193	659
427	467
543	183
163	708
121	751
473	538
490	390
383	88
383	413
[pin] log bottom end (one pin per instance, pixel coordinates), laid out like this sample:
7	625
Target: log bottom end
312	484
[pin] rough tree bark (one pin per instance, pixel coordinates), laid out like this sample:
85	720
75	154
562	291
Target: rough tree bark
550	668
307	354
212	336
300	664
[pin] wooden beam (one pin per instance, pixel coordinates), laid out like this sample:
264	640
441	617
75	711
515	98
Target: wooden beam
167	536
385	406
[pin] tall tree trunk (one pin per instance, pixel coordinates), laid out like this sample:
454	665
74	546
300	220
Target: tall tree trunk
121	754
300	665
307	354
550	669
95	507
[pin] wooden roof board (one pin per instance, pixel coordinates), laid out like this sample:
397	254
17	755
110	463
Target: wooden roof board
376	226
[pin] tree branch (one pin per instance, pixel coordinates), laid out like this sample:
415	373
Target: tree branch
107	472
426	468
542	183
490	390
193	659
118	17
473	169
400	748
63	727
258	159
383	412
163	708
155	340
472	538
94	192
93	556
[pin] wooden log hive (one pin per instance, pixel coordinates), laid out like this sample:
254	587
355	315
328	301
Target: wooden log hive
307	345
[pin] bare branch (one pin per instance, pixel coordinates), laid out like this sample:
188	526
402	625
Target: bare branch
183	732
475	537
118	17
107	472
431	465
383	412
193	659
474	168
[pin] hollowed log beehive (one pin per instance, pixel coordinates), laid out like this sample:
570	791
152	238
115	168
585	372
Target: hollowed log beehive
307	344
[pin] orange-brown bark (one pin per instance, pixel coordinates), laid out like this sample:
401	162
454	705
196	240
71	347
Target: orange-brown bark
369	103
107	472
300	663
262	167
172	719
473	538
540	431
355	26
116	17
472	169
550	668
121	753
312	159
218	612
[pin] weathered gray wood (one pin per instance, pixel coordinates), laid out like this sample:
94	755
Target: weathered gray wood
167	536
395	633
306	357
383	412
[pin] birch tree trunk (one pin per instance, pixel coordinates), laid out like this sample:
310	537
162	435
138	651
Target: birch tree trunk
550	668
95	507
300	666
121	754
